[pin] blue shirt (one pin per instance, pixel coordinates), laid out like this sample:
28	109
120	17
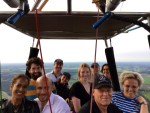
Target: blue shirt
125	104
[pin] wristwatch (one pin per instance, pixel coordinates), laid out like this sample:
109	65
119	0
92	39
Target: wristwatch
144	102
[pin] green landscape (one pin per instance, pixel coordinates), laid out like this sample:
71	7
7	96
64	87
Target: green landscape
9	70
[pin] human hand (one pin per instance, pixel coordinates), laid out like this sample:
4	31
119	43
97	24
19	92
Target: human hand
141	100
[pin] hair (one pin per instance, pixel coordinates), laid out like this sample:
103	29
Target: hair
58	61
34	60
18	76
103	67
131	75
82	66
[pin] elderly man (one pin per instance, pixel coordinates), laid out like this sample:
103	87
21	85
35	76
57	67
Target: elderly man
102	95
48	101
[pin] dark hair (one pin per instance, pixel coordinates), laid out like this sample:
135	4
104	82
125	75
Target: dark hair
103	67
34	60
94	64
18	76
67	75
58	61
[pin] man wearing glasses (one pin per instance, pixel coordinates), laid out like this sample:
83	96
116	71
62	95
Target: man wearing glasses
102	96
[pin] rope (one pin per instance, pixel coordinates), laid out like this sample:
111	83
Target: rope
38	35
94	62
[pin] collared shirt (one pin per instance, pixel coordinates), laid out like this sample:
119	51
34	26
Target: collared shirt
58	105
53	77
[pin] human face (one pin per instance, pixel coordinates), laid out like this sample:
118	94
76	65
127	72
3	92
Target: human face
84	74
64	79
106	72
130	88
19	88
35	71
57	68
41	91
102	96
95	71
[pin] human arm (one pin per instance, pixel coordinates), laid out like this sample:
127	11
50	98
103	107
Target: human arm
76	104
144	104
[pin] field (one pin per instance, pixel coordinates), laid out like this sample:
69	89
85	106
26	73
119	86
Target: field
9	70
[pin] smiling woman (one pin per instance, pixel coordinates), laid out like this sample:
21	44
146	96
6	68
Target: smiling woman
128	101
18	103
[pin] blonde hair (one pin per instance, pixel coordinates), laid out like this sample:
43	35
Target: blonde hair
131	75
82	66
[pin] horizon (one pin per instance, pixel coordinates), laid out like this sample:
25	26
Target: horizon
82	62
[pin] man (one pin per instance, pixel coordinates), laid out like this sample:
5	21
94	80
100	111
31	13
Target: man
48	101
34	68
95	68
56	73
102	96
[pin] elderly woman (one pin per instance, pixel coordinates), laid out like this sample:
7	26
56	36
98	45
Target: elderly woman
80	90
128	100
18	103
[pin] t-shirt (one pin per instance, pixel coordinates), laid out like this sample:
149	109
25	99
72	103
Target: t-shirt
77	90
31	92
127	105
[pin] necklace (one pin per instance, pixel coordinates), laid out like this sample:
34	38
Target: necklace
16	108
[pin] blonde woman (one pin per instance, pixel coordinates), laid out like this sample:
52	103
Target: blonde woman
80	90
128	100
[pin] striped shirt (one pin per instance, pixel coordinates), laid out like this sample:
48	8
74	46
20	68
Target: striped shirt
31	92
125	104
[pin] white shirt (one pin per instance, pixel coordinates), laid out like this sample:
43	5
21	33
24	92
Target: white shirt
58	105
53	77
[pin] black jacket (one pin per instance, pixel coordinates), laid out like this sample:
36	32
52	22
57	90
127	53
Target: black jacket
62	89
27	106
86	108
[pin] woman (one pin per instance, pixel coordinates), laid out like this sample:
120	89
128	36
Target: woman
18	103
128	101
80	90
105	71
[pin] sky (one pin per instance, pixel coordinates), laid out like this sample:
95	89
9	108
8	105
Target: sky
132	46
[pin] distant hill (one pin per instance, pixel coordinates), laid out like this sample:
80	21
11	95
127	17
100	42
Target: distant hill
9	70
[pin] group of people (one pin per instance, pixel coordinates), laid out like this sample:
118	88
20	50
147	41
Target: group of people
91	93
